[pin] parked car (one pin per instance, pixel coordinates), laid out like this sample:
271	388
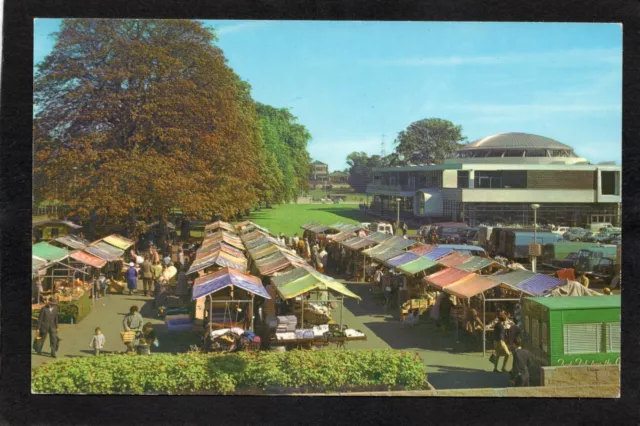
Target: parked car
589	258
575	234
567	262
469	236
560	230
466	249
598	226
517	242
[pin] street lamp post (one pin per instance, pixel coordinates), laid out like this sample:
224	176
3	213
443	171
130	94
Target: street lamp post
534	259
398	210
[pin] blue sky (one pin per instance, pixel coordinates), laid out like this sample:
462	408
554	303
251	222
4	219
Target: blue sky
351	82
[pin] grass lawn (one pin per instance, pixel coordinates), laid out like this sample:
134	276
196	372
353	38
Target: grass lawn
287	218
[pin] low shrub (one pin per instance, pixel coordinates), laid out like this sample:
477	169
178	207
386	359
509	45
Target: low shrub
303	371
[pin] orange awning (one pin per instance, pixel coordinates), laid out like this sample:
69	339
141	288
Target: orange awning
470	287
446	277
88	259
454	258
422	249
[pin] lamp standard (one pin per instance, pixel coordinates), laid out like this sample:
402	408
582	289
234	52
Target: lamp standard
398	210
534	259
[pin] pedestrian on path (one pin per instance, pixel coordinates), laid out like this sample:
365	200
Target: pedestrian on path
522	360
500	345
405	228
132	277
48	326
97	341
146	268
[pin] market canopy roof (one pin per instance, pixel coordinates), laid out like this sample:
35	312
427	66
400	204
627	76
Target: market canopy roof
206	251
266	250
539	284
227	277
438	253
277	262
37	264
345	227
73	241
341	236
302	280
118	241
398	243
470	287
219	258
357	243
418	265
388	254
446	277
578	302
88	259
220	225
512	278
256	242
53	222
422	249
318	229
475	263
253	226
48	252
104	251
454	258
405	257
223	236
309	225
379	237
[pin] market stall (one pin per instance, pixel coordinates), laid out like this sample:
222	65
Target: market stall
71	241
357	262
113	255
223	236
219	225
454	259
218	258
292	286
248	226
234	293
477	264
221	246
422	249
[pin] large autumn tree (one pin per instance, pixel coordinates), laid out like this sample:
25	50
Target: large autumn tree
428	140
136	116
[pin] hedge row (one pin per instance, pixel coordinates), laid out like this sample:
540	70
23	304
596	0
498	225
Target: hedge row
326	370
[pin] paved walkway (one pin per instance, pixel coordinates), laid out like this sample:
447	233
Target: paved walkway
449	365
108	313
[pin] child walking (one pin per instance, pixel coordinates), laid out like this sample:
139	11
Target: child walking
97	341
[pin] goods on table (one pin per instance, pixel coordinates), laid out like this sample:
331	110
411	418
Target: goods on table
286	324
350	332
116	286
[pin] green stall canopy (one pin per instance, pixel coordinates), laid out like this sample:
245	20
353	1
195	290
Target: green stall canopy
418	265
49	252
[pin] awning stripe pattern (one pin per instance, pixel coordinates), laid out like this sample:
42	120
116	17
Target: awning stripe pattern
446	277
227	277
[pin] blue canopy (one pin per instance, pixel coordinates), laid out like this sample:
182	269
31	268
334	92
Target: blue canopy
227	277
538	284
437	253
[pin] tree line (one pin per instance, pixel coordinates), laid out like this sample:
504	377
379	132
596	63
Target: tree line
137	117
427	141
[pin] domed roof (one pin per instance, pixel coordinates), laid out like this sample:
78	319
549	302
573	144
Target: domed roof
516	141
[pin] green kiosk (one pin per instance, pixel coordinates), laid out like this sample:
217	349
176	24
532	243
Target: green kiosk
572	330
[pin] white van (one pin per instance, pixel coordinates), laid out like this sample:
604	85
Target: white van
560	230
384	228
597	226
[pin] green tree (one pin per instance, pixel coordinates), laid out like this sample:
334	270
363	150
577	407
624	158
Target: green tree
287	140
428	140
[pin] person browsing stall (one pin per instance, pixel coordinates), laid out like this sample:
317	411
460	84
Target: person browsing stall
499	344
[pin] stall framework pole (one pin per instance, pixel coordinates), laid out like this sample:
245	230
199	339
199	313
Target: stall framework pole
484	326
252	313
341	306
364	267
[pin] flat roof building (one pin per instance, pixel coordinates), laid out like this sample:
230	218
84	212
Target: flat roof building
495	179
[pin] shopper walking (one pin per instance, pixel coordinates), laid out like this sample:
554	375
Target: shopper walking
48	326
146	268
405	228
132	277
522	360
499	344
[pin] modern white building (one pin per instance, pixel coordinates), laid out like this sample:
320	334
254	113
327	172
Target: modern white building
496	179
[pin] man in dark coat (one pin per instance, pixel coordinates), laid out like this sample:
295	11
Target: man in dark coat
48	325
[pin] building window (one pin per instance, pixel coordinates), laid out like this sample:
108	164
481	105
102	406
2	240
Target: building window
613	336
463	179
582	338
489	179
608	183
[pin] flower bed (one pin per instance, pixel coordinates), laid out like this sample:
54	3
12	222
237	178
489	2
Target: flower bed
259	372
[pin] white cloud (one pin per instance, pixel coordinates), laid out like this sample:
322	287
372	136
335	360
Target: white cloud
240	27
552	58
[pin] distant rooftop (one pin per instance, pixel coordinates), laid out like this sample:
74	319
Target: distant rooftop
515	145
